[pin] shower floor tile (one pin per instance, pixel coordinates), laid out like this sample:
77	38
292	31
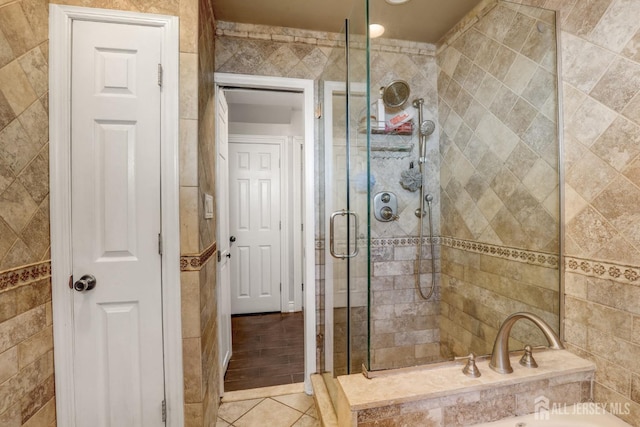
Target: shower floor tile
268	350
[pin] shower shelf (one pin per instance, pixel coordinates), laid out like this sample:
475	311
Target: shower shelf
405	129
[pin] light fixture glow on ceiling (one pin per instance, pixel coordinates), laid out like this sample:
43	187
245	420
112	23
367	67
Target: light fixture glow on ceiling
394	2
375	30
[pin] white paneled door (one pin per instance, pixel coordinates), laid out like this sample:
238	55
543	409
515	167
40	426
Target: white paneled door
115	139
224	243
255	221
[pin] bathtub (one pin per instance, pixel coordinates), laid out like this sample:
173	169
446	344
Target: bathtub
580	415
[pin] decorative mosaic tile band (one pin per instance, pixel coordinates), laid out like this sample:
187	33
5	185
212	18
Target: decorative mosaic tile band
319	38
196	262
603	270
22	275
513	254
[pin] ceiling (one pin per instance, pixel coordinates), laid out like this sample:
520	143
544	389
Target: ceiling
418	20
262	106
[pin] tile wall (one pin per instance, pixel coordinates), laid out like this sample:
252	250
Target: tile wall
600	43
601	87
499	179
26	347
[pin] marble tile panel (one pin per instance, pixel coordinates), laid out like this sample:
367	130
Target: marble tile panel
618	204
583	63
520	117
632	110
193	416
8	364
16	206
15	86
497	22
541	88
497	136
33	295
36	233
45	417
35	178
18	255
13	389
590	120
37	13
188	86
520	74
584	16
541	180
192	368
188	26
518	32
631	50
589	175
619	144
487	91
590	230
188	153
6	112
6	54
7	239
189	238
37	398
541	43
503	102
502	62
190	296
541	137
35	67
573	202
33	348
618	85
617	26
17	29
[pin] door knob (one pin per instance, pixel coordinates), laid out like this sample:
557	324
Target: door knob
228	255
85	283
232	239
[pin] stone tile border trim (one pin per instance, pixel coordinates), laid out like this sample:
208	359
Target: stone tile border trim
19	276
543	259
317	38
603	270
197	261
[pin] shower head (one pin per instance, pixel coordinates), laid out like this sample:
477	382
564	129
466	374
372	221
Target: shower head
427	127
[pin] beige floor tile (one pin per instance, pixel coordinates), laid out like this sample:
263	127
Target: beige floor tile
231	411
222	423
269	413
312	412
307	421
299	401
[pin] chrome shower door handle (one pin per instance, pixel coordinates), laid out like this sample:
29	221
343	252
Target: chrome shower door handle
332	250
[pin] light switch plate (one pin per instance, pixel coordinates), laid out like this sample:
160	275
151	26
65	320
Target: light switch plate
208	206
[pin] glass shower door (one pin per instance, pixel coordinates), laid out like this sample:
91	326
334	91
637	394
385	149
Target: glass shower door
347	209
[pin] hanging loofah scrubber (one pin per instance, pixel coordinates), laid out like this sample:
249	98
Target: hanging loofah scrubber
411	179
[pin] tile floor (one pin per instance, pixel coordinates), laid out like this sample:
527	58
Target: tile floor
268	409
268	350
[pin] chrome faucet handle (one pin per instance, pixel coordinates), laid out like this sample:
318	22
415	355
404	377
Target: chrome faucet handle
470	369
527	359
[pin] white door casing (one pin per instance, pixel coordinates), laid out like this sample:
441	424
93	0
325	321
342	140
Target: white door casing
308	190
222	204
255	220
117	347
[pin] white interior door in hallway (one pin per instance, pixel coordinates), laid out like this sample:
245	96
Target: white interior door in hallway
116	224
255	222
224	250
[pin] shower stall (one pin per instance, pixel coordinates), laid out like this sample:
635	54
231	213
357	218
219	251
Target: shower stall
439	212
